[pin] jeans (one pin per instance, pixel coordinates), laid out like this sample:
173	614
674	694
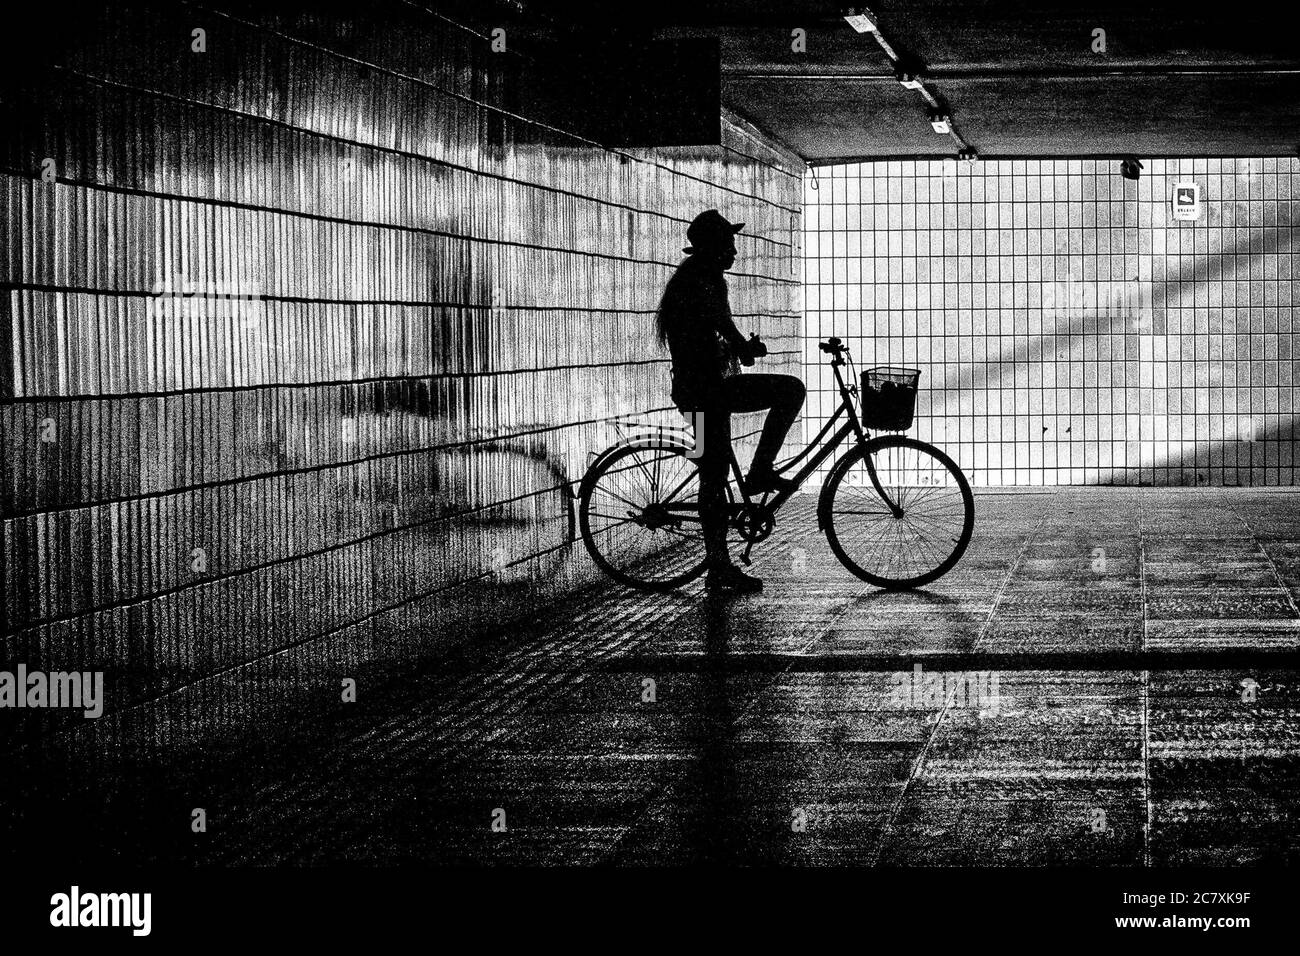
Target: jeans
784	395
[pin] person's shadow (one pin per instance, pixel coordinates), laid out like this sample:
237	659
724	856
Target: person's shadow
730	818
711	823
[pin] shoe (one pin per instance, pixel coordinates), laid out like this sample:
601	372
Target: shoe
731	578
762	481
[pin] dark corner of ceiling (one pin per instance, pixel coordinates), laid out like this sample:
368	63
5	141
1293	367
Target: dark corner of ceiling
608	76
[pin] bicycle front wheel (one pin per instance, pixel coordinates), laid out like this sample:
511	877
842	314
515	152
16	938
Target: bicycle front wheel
918	541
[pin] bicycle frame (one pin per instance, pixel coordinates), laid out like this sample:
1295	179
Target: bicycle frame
852	426
667	502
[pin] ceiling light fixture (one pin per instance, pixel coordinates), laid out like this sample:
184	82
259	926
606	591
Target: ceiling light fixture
940	122
861	19
909	82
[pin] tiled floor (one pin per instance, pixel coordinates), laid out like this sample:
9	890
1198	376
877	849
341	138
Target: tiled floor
1145	645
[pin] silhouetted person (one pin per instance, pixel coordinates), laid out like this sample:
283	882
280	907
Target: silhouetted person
695	323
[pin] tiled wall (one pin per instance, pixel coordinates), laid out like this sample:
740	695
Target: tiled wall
1067	328
304	338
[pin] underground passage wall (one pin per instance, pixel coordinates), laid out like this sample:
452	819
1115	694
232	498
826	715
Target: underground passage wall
307	334
1068	329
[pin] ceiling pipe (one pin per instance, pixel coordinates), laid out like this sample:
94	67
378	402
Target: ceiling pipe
863	20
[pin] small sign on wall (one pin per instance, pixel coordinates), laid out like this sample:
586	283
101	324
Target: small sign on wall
1187	201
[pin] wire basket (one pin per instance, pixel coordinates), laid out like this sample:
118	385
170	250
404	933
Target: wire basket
889	398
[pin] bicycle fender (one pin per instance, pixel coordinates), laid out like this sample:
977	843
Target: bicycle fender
619	446
824	498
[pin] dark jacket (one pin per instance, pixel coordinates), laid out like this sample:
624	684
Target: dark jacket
702	336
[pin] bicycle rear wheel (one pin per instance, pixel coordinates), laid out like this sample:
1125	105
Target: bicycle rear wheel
639	516
888	549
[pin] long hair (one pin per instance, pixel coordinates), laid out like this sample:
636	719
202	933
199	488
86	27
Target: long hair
669	313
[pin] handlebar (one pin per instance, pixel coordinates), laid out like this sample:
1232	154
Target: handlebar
756	348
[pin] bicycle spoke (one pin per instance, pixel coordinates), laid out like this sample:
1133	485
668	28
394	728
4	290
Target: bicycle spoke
936	554
654	484
676	491
924	537
621	519
658	542
614	494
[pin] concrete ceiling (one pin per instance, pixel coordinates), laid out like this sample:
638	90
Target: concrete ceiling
1017	78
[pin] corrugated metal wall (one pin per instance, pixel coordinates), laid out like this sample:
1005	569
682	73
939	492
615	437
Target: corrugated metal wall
305	335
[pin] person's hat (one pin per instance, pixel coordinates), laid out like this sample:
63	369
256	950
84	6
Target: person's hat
709	229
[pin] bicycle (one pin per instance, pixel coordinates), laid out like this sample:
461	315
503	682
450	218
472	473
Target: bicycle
896	511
